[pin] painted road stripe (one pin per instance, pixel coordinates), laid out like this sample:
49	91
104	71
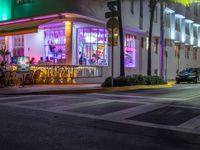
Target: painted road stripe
149	97
123	114
191	124
15	97
141	97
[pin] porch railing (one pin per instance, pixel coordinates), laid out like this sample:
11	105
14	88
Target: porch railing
58	74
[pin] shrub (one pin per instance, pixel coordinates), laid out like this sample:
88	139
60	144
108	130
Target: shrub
133	80
140	80
121	81
107	82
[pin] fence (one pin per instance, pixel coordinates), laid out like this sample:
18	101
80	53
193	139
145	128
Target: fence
56	74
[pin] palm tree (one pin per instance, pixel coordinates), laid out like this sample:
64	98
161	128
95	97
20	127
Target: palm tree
162	32
152	6
121	35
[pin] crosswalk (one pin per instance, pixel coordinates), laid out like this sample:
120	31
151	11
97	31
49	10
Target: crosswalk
127	109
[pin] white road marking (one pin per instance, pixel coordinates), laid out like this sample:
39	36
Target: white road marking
43	99
15	97
136	96
149	97
79	105
118	116
191	124
123	114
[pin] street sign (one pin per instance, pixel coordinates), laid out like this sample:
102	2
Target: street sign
113	24
23	65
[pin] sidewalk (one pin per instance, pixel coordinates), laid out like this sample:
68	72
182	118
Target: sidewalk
72	89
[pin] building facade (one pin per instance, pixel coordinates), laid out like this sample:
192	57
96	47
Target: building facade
67	41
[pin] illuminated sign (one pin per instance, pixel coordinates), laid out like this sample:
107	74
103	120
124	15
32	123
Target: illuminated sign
23	64
5	10
20	2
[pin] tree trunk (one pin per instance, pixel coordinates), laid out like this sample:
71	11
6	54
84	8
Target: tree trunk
121	34
161	39
152	6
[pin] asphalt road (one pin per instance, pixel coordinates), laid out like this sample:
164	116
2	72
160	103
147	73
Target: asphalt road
159	119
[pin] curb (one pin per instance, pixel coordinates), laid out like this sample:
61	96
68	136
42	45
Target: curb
98	90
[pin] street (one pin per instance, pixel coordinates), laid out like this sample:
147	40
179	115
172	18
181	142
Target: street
163	119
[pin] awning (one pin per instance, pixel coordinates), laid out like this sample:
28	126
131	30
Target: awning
23	27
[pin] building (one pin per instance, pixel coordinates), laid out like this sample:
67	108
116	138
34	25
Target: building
69	42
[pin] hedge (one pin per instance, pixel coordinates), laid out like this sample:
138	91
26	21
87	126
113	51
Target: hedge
133	80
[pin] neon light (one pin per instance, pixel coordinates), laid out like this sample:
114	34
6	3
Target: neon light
27	19
45	17
5	10
130	51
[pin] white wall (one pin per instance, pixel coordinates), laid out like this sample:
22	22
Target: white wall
34	45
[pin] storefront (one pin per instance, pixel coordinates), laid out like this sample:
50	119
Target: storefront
64	47
61	49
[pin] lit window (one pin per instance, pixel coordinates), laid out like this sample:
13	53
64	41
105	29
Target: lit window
18	46
130	51
55	45
92	46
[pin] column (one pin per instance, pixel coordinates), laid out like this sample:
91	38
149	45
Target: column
68	35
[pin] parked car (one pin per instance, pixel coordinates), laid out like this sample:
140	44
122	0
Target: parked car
188	75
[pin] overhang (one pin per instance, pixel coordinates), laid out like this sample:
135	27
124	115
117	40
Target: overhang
24	26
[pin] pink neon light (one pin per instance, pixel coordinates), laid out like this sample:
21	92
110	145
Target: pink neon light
130	49
15	21
28	19
45	17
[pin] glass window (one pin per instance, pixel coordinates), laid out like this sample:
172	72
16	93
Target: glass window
2	43
195	53
177	50
130	51
177	24
55	45
92	46
187	28
195	32
167	20
187	52
18	46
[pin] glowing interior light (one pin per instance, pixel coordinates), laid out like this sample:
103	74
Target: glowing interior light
56	41
68	23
